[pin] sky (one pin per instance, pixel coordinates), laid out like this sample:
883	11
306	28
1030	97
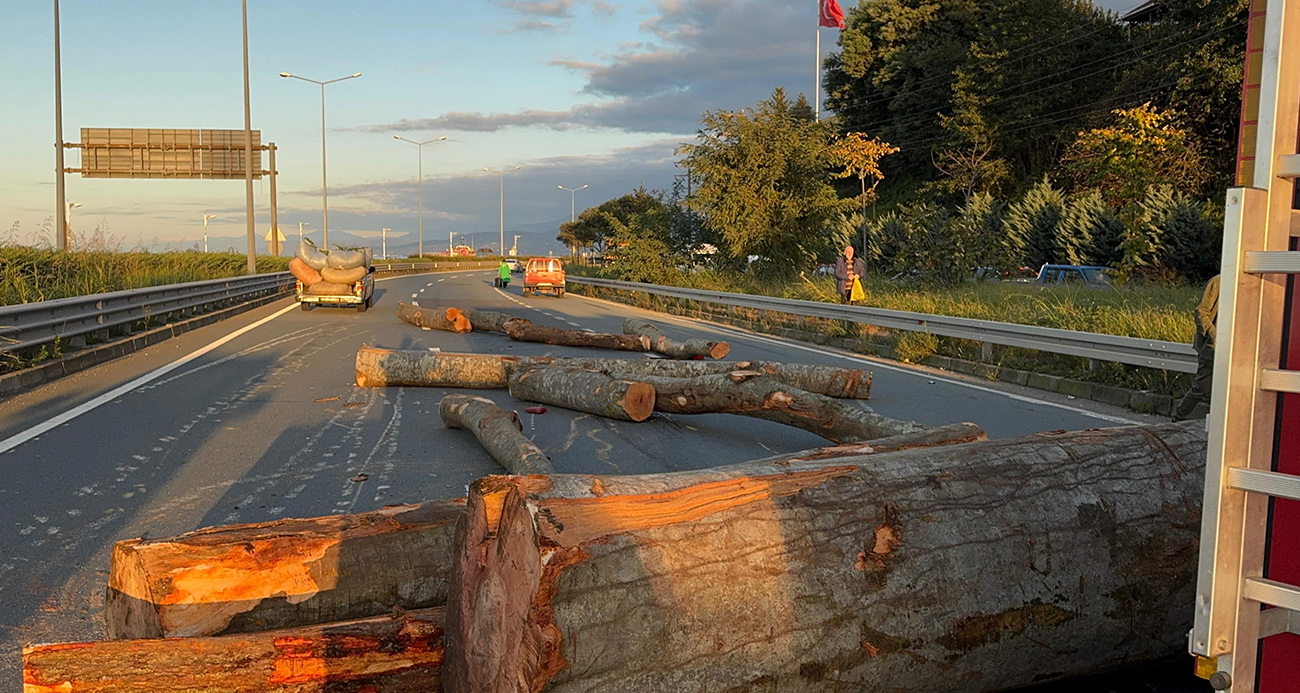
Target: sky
573	92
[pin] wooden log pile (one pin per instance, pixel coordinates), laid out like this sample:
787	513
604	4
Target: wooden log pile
932	560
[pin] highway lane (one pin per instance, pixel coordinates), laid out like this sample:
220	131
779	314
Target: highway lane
270	425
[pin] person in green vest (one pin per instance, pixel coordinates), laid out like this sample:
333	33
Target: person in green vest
503	275
1207	318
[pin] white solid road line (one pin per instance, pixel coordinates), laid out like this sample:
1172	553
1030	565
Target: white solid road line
879	364
14	441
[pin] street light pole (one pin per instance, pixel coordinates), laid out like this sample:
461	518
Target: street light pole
301	224
384	234
324	184
206	217
248	159
503	172
60	193
573	194
420	146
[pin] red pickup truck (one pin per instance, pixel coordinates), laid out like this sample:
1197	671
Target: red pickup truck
544	274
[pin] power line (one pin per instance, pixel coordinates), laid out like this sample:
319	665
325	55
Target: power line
918	118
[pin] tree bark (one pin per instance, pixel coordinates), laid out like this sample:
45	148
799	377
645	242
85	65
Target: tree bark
436	318
282	574
528	332
378	367
587	391
973	567
492	321
951	434
689	349
752	394
498	430
388	654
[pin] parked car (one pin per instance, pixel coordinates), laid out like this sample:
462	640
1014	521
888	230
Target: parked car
544	274
1092	276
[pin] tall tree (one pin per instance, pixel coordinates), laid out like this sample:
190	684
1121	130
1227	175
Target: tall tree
764	183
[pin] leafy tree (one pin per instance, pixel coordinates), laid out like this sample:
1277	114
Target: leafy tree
1037	219
860	158
1143	147
595	226
1087	216
764	183
642	253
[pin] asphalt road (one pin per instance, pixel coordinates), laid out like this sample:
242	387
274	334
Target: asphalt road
266	423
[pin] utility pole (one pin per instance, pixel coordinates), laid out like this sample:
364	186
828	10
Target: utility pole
384	234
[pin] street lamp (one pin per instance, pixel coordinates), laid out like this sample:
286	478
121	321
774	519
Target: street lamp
324	195
384	234
503	173
573	194
67	223
301	224
420	146
206	218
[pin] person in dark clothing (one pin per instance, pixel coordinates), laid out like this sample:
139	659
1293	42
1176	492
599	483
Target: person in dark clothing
847	268
1207	318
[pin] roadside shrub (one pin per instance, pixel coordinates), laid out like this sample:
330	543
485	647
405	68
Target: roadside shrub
1087	216
1036	220
979	224
1175	236
914	347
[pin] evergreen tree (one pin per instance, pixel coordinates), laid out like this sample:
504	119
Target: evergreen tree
1037	218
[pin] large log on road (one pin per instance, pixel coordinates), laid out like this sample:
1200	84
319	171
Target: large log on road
390	654
282	574
378	367
689	349
491	321
528	332
587	391
499	431
435	318
973	567
752	394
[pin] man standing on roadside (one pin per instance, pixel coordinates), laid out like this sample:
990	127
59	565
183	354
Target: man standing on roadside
847	269
1207	318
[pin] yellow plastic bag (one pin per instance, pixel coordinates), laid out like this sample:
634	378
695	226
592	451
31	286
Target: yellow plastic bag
856	293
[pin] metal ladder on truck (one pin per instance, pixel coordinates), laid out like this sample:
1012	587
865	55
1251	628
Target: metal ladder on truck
1246	636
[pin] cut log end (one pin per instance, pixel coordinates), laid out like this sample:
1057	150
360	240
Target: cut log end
639	402
719	350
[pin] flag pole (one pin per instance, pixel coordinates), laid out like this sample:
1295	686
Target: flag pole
817	83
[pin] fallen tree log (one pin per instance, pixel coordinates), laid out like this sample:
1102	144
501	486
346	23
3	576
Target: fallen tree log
436	318
951	434
528	332
688	349
750	393
387	654
281	574
377	367
586	391
491	321
972	567
499	431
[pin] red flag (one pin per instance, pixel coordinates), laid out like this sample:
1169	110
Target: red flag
830	14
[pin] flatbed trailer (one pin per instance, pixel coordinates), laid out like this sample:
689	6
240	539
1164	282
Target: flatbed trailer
362	294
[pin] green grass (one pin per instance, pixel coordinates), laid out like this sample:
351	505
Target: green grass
34	274
1148	312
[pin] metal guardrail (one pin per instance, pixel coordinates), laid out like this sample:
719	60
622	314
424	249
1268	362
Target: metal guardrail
33	324
1152	353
